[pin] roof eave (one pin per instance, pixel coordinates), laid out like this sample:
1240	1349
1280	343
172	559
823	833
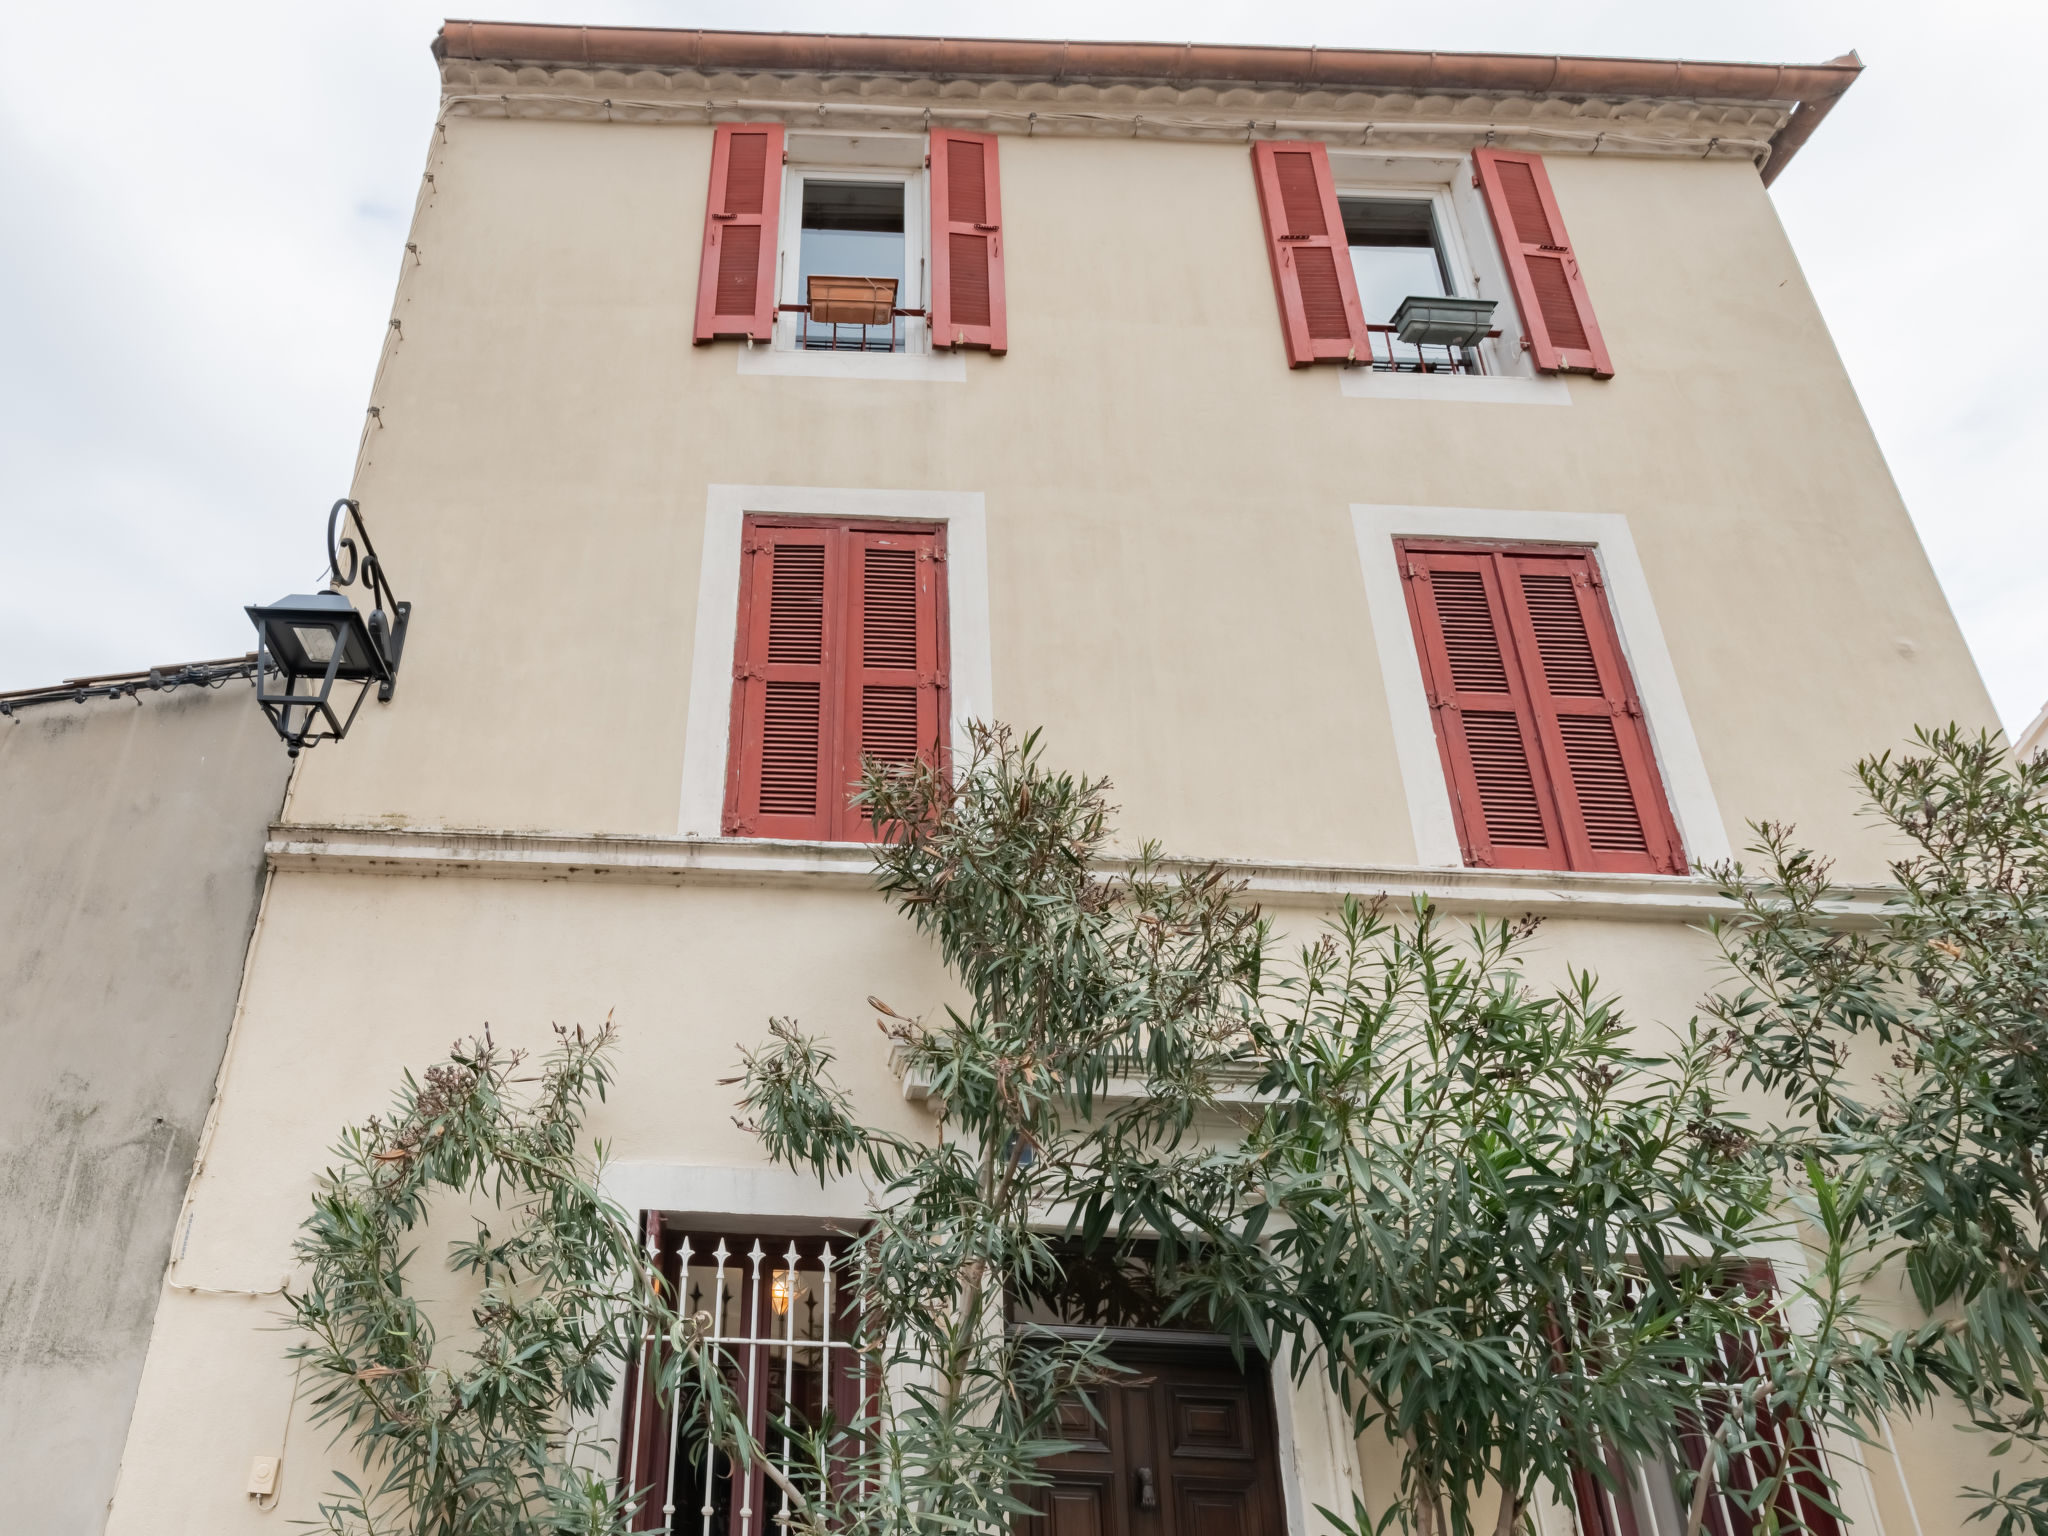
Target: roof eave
1814	88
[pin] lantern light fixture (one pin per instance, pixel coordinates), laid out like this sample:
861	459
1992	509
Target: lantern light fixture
309	641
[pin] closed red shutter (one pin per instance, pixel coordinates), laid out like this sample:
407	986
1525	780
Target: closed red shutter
777	780
841	655
1543	739
1485	726
1610	794
1549	288
967	243
736	281
1320	316
895	669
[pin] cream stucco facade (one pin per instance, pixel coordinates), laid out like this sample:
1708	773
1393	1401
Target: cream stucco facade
1177	544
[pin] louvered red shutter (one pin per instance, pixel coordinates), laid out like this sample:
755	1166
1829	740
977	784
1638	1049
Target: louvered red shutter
1320	315
1610	795
967	243
736	282
841	656
1485	726
1549	288
778	784
1543	738
895	699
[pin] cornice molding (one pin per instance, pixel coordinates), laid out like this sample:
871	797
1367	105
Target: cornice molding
1394	120
297	847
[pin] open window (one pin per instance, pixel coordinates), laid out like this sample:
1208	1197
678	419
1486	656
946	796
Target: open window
1398	257
853	264
863	243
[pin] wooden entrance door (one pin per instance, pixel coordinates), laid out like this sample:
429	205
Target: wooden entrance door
1185	1448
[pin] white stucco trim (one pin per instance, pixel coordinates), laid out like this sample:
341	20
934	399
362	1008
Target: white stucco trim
718	604
742	1195
1459	388
1700	827
1318	1456
471	854
897	367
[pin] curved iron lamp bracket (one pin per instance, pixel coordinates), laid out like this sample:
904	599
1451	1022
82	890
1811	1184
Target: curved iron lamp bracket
386	634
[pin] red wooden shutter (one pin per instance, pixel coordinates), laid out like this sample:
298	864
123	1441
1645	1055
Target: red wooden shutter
967	243
895	698
1543	738
1609	792
841	655
1485	727
736	281
1549	289
1320	315
777	779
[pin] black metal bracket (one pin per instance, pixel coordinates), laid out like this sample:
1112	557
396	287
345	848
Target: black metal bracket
387	635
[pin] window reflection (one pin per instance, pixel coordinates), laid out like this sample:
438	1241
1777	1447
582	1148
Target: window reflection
853	229
1396	253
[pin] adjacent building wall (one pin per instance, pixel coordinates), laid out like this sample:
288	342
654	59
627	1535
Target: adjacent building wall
131	865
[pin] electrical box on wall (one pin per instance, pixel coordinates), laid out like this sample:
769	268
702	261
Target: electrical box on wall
262	1477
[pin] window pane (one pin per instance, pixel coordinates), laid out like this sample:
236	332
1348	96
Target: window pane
1389	274
854	229
1395	254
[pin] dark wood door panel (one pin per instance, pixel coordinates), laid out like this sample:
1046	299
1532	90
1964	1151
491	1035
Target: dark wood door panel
1075	1505
1185	1446
1087	1431
1211	1421
1203	1508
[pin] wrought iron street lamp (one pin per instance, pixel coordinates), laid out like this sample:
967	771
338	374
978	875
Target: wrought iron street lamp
308	642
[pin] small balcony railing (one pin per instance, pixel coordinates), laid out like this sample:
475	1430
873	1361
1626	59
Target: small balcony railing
1389	354
849	314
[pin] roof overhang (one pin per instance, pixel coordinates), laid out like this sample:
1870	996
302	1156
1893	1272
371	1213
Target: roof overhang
1392	99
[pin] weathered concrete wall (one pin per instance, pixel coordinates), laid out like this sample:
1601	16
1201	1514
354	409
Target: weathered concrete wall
131	858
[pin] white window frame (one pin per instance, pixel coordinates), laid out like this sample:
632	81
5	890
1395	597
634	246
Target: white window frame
707	739
1701	830
916	245
1456	263
1472	252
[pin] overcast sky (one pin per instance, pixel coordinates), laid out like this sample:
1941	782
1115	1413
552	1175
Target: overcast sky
202	207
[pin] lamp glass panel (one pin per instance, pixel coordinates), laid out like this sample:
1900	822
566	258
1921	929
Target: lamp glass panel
317	643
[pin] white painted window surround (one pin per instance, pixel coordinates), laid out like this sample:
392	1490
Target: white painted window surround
1454	388
872	156
1318	1459
709	719
1700	827
1472	254
886	367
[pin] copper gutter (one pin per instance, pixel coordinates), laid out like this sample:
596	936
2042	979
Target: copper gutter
1814	87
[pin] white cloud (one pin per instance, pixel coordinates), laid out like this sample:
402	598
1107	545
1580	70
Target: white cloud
205	206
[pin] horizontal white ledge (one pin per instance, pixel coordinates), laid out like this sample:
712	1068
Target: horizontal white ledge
440	852
1453	388
895	367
